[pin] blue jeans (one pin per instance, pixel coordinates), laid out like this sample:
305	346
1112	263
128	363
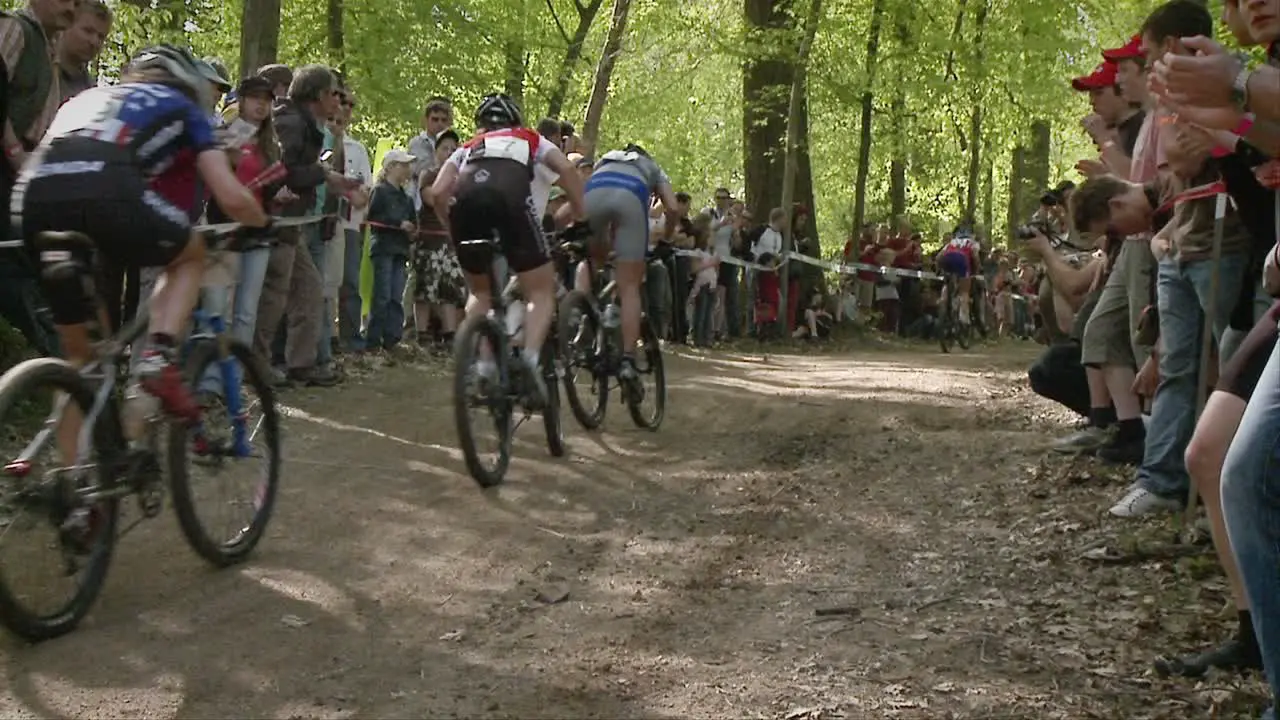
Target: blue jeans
386	313
1182	293
349	301
244	314
314	235
704	311
1251	507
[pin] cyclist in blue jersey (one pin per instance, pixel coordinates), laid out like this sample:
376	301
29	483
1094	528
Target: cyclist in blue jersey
617	201
120	164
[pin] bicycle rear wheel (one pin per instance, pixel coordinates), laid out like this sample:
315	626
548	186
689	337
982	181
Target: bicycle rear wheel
963	333
262	432
649	362
470	389
551	419
85	532
946	329
582	348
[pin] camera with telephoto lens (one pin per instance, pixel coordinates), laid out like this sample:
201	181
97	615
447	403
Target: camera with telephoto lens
1039	227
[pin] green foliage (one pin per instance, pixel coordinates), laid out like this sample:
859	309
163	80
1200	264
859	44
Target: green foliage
677	87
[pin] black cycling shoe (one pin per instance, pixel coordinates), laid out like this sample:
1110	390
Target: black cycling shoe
1233	656
629	376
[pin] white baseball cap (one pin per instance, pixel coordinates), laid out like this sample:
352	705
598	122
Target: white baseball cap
397	156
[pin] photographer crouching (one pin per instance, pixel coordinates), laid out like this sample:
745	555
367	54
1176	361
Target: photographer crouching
1077	270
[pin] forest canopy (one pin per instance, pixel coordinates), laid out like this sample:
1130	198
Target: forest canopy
960	96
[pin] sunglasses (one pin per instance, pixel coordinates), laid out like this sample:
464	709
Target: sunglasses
348	103
722	197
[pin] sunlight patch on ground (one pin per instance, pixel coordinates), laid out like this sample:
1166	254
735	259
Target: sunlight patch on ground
307	588
160	698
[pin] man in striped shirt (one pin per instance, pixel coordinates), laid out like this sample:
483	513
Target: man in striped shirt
31	99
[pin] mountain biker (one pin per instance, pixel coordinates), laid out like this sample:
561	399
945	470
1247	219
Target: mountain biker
618	195
120	164
959	259
490	179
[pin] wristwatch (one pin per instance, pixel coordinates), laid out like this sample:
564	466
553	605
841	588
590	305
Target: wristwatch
1240	88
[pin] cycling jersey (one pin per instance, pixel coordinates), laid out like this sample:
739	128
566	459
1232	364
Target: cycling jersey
959	257
118	164
497	171
162	129
618	196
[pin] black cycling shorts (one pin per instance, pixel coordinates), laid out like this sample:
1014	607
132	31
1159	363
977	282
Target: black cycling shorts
1243	371
127	221
493	198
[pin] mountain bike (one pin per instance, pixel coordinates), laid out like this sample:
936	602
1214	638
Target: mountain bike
592	336
80	500
496	335
950	329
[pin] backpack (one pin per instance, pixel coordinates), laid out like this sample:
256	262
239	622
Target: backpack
749	241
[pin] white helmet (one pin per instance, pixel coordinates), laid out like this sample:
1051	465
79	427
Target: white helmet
182	66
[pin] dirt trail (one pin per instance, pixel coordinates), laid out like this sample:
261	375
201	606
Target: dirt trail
674	574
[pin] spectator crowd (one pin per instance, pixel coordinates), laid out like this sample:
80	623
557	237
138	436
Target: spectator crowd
1148	289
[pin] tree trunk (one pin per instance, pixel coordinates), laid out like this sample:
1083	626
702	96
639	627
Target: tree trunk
898	117
1015	190
975	115
970	213
804	169
573	52
988	196
259	35
766	79
337	52
604	71
1038	163
868	107
515	60
790	154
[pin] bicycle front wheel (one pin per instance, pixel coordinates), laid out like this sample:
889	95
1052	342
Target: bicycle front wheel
37	396
480	382
241	422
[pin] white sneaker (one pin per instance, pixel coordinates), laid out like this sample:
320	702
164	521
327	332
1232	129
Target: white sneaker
486	371
1139	502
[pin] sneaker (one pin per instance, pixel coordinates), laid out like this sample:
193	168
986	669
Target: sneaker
162	380
1232	656
280	378
1123	452
487	370
318	376
1139	502
1086	441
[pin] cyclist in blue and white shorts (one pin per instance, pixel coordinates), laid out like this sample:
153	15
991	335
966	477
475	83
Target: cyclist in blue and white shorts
617	199
959	258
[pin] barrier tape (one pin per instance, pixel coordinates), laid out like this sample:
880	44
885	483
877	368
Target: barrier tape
842	268
216	229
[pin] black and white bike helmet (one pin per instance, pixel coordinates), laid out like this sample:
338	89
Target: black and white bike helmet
498	111
181	65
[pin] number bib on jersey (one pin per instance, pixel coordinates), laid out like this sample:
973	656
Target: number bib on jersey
502	147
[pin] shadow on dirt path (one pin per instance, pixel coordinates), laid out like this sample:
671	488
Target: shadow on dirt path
900	492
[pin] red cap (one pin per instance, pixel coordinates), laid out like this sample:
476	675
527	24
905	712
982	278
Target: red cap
1103	76
1131	50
